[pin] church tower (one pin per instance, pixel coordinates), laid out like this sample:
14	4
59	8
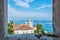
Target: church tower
30	22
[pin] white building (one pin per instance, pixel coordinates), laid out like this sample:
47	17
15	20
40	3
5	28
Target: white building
24	28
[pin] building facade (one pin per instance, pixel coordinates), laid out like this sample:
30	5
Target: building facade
24	28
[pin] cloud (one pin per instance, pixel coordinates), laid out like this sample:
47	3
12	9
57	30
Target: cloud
29	1
14	14
44	6
23	3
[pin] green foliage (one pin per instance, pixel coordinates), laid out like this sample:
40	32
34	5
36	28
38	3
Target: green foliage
10	28
11	22
37	28
40	29
35	31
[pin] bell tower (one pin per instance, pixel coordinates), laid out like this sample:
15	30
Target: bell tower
30	22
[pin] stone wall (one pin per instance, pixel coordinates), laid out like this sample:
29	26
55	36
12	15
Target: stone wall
56	18
1	19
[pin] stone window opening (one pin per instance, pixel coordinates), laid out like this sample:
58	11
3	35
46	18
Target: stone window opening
23	32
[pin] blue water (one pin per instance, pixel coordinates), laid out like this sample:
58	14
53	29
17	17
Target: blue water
46	24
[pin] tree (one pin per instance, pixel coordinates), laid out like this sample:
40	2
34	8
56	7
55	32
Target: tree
35	31
10	28
37	28
40	29
11	22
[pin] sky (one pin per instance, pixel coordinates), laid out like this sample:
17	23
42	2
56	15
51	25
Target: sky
24	9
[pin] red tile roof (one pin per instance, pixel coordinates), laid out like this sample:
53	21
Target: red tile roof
22	27
15	26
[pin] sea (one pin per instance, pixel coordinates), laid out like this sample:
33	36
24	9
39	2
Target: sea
47	24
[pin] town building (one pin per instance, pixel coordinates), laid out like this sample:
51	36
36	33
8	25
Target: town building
24	28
